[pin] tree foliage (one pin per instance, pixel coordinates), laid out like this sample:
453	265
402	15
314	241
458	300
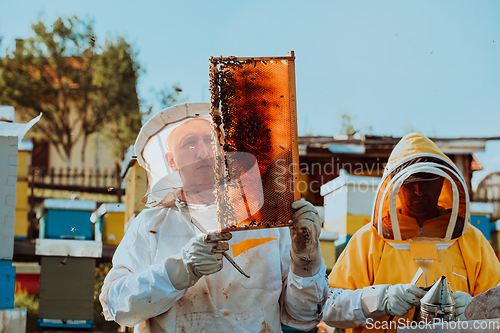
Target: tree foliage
81	86
346	125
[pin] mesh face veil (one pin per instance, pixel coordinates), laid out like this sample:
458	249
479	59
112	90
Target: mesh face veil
437	206
172	147
176	149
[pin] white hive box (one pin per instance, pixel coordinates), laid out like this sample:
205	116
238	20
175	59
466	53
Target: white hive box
7	113
8	177
13	320
348	202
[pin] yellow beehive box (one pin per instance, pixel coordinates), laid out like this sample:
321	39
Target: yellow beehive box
109	221
22	223
348	202
327	242
136	185
136	182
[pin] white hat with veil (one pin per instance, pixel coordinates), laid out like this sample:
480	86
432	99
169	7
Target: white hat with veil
151	148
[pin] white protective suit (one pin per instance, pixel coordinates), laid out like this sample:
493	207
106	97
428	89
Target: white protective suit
138	292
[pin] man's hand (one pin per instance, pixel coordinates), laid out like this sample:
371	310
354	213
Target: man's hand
306	252
202	255
400	298
461	301
390	300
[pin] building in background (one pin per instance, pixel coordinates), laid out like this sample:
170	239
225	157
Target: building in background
488	190
322	158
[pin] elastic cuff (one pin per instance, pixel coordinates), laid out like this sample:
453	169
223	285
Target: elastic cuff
357	305
372	301
178	273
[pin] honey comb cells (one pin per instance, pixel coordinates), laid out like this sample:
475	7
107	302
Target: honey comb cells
253	109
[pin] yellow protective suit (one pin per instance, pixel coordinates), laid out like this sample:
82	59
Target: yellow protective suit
392	248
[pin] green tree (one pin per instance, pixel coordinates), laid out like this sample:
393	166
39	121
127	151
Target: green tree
80	85
346	125
123	116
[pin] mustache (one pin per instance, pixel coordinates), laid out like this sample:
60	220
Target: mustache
204	164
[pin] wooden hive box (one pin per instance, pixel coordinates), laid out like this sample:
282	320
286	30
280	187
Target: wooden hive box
348	203
480	213
7	283
67	276
67	288
66	219
109	221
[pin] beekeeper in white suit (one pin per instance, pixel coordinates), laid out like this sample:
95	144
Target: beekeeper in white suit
168	276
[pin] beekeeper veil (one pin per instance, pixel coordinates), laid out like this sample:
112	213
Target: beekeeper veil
419	176
174	147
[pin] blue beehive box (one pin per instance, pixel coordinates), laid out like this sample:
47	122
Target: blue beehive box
66	219
7	283
482	222
480	213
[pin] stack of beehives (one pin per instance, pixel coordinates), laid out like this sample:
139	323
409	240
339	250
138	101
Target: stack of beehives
11	320
69	253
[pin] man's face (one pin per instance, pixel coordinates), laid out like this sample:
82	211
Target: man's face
419	199
191	154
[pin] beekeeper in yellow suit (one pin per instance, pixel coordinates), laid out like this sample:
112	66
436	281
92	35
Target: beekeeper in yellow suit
420	220
168	276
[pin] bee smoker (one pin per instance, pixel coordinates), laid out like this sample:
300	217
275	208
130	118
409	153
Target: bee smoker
438	304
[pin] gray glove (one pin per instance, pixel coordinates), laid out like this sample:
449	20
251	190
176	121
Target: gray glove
306	252
202	255
387	300
462	299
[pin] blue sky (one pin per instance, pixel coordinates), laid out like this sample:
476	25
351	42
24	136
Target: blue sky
393	66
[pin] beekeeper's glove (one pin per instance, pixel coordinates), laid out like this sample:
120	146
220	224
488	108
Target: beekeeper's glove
306	252
461	301
387	300
202	255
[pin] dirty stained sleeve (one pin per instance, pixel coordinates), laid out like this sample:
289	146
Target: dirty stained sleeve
302	298
134	290
343	308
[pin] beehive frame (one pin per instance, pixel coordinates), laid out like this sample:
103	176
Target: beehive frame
253	107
